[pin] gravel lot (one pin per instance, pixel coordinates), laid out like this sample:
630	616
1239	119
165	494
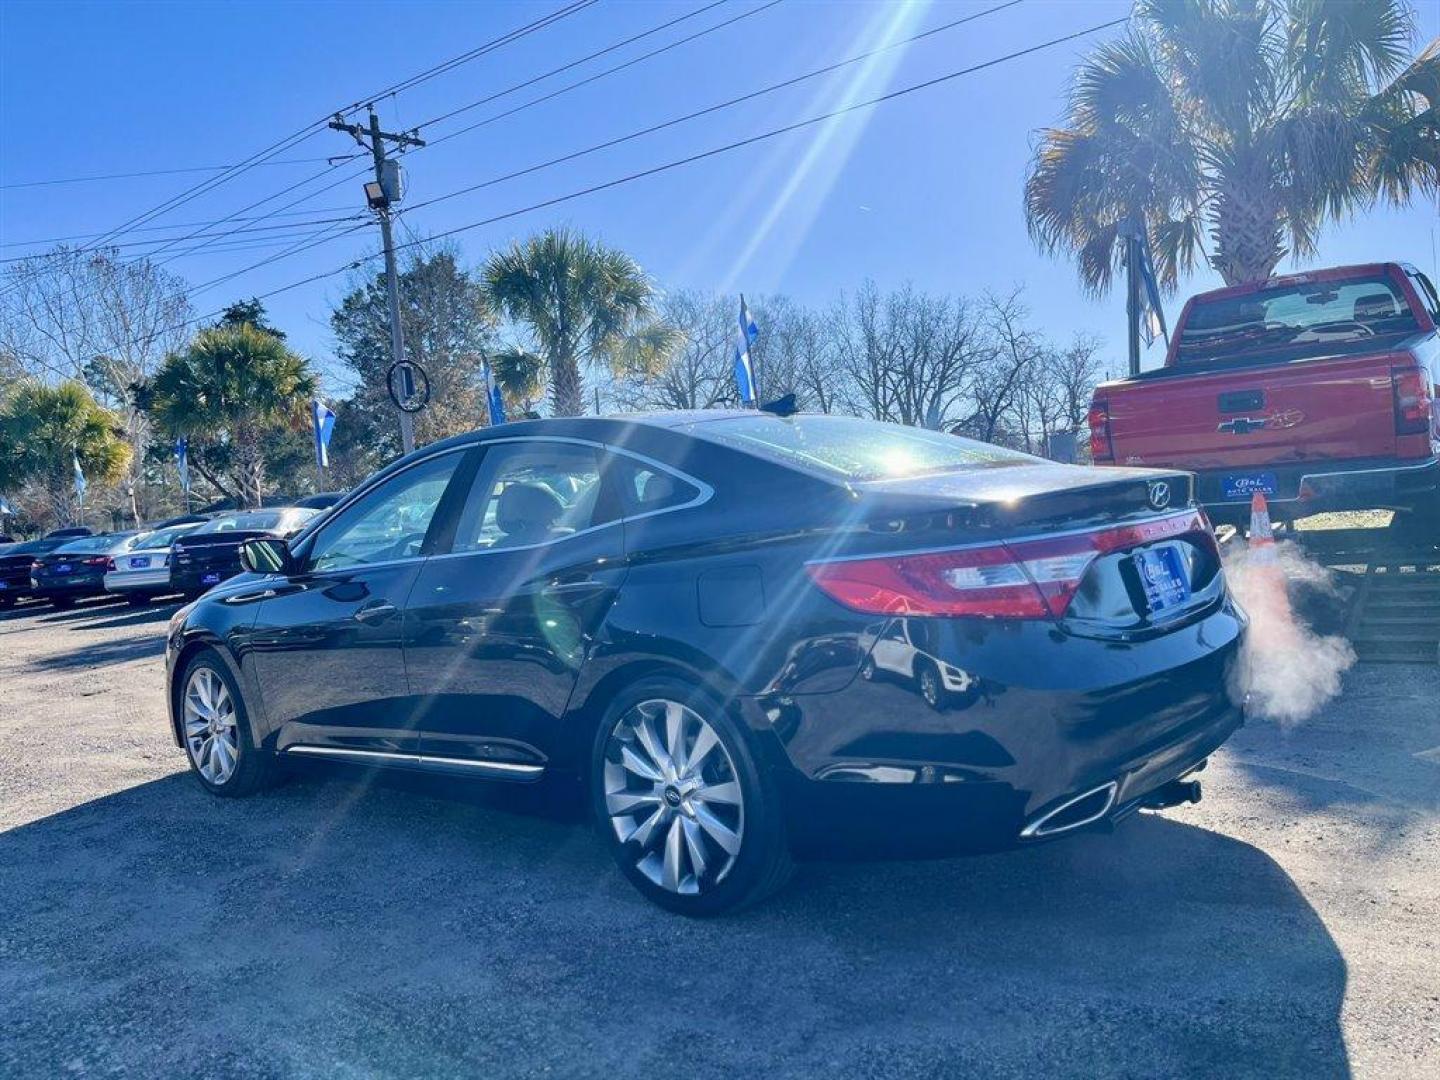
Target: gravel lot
1287	926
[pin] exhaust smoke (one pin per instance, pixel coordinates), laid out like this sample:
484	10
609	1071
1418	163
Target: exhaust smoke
1287	669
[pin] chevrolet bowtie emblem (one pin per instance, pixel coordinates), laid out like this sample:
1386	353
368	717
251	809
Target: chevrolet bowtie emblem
1278	421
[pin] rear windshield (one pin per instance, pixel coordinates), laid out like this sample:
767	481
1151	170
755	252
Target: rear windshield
1342	313
852	449
162	538
258	521
93	543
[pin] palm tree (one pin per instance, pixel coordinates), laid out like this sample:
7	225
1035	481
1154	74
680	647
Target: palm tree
45	430
235	384
1250	122
582	304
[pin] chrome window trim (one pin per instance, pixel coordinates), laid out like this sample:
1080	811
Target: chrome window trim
704	493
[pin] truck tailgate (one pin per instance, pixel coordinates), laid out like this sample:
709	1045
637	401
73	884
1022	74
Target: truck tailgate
1322	409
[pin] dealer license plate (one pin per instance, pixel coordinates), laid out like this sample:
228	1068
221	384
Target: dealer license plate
1163	577
209	579
1244	485
63	568
140	563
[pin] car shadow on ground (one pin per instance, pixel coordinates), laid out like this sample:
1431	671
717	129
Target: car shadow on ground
100	653
344	925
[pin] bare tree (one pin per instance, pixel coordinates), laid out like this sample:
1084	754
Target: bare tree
88	315
1011	347
698	373
910	356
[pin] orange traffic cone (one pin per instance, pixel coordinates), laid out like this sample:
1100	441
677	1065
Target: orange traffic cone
1262	536
1270	593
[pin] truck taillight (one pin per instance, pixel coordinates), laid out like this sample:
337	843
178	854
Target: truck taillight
1101	448
1414	400
1019	579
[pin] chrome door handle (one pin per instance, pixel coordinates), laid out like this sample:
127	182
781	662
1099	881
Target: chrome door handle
378	610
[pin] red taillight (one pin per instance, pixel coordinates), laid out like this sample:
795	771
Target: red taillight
1101	448
1018	579
1414	400
98	560
36	565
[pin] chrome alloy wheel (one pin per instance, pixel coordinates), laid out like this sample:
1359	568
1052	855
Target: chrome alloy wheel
211	736
671	789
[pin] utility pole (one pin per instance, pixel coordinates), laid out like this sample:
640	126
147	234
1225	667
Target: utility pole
384	191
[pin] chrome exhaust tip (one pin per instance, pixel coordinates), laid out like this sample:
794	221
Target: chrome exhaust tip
1074	813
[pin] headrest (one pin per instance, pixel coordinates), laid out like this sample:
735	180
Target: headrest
1378	305
659	488
527	509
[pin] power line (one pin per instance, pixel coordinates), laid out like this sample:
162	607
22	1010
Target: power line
151	172
470	54
312	128
174	225
288	226
675	164
752	95
575	63
591	78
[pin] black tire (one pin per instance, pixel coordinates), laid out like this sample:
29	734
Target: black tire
6	602
140	599
62	603
255	769
930	685
762	864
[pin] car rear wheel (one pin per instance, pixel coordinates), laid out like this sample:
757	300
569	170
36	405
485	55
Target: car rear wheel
135	599
689	815
931	688
215	728
62	603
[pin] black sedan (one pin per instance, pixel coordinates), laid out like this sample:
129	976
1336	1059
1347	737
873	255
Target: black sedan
76	569
211	553
748	637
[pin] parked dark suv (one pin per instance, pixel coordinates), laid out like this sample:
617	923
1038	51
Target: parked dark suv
676	613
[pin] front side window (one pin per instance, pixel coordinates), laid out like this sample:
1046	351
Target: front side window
387	523
531	493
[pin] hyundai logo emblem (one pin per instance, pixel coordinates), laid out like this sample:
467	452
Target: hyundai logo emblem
1159	494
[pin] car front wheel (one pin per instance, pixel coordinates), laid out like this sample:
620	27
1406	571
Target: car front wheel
215	728
688	813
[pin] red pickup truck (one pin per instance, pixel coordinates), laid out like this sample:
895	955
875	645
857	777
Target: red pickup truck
1317	389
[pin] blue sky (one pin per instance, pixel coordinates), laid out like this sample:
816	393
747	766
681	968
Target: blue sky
925	188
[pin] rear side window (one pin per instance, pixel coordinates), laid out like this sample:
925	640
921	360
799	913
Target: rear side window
529	493
1341	312
848	448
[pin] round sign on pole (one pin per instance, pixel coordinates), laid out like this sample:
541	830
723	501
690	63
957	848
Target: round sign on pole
409	386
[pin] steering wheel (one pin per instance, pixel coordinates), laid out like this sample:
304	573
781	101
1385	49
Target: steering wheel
404	548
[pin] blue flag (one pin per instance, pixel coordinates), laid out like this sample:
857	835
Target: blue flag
80	484
744	369
5	507
324	424
494	400
182	462
1152	315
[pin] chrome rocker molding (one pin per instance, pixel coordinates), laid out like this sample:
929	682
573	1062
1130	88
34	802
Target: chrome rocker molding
498	770
1037	829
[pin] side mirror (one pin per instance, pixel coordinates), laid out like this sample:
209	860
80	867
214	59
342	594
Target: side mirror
267	555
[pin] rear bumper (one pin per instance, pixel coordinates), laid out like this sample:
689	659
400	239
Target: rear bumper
188	580
872	770
157	580
73	588
1319	487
